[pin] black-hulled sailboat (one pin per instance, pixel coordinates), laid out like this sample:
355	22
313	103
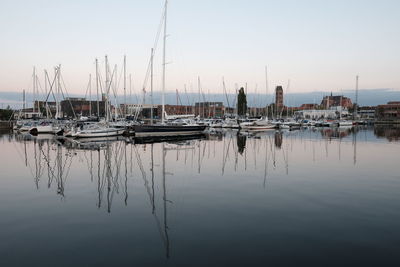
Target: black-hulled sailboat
163	129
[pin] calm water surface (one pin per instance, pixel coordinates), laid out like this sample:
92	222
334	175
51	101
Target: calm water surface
310	197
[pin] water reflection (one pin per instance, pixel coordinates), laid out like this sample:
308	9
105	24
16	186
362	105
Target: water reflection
110	162
390	132
112	165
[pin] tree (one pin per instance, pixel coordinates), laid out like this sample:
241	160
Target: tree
242	102
5	114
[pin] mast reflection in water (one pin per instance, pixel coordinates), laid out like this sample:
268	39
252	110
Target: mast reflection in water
231	198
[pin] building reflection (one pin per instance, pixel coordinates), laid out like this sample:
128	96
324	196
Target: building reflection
110	164
390	132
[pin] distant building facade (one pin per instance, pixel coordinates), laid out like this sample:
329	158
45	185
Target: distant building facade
389	111
143	111
336	101
209	109
317	114
74	106
51	106
367	112
308	106
176	109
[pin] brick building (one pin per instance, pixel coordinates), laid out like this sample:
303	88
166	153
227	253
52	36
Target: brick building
175	109
389	111
336	101
209	109
308	106
81	106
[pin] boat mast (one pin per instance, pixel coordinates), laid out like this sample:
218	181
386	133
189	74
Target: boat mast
125	85
45	91
90	95
341	107
106	90
23	101
163	64
130	93
34	90
266	89
97	89
114	80
198	86
187	112
151	86
356	106
58	91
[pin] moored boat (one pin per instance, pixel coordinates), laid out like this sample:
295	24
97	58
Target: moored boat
168	130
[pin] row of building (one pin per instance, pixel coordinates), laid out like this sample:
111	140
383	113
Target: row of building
330	106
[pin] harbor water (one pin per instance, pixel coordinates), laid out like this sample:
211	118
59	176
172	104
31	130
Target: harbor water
311	197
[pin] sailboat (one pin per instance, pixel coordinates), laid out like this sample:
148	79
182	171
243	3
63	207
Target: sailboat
48	126
163	129
100	129
258	125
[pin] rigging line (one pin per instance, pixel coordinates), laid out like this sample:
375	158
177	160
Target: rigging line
50	89
100	78
22	158
49	168
87	88
66	92
40	86
51	85
68	169
154	47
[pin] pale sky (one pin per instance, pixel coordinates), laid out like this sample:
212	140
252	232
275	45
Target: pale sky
318	45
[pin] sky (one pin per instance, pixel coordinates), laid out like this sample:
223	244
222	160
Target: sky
317	45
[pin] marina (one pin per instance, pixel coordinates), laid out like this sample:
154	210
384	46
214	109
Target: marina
199	133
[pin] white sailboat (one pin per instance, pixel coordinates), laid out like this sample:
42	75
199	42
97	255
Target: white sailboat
98	130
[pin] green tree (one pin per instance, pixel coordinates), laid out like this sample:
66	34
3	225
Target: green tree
242	102
5	114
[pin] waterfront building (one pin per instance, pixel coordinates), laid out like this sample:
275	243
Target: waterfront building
367	112
176	109
389	111
316	114
143	110
209	109
336	101
308	106
77	106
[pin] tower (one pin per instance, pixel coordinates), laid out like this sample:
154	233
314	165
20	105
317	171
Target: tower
279	99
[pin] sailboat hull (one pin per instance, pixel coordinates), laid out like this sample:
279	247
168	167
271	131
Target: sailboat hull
46	129
259	128
99	133
166	130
